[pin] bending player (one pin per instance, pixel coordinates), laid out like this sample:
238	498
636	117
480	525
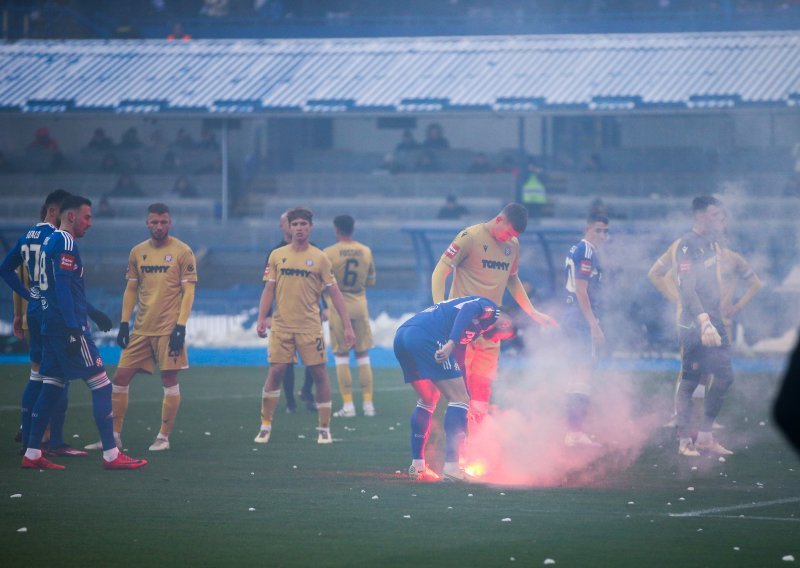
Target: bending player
354	271
485	258
429	347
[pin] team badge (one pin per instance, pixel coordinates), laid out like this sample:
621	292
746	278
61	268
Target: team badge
168	258
309	262
45	305
98	362
67	262
507	251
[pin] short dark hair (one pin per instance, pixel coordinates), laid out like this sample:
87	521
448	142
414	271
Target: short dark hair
517	215
702	202
74	202
157	208
344	224
597	217
299	213
56	197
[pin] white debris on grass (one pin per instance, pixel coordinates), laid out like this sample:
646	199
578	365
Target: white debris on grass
406	516
788	558
690	489
549	561
449	508
301	436
506	519
251	509
294	467
375	497
363	491
22	529
694	468
398	472
721	459
16	495
469	494
630	502
75	436
762	423
391	427
736	548
207	433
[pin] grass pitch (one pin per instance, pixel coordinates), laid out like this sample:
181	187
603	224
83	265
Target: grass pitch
219	499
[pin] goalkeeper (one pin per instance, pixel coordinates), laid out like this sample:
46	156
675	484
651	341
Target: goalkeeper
704	342
161	278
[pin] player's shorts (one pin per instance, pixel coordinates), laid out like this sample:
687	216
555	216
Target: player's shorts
35	337
144	351
57	363
284	346
481	360
360	327
415	350
698	360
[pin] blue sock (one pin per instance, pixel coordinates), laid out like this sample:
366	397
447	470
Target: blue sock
577	409
57	419
101	407
40	415
455	429
29	397
420	428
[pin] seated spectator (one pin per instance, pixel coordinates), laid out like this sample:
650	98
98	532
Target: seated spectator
434	138
126	187
183	140
507	166
100	141
426	163
407	142
43	141
177	33
110	164
135	165
183	188
130	139
104	209
171	162
480	165
212	167
44	146
207	140
391	165
452	209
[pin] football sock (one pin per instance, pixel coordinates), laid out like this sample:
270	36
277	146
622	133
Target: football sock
42	410
269	401
715	396
102	410
57	419
119	401
288	386
577	408
455	429
308	382
420	428
169	409
29	396
344	377
419	465
324	413
110	455
365	377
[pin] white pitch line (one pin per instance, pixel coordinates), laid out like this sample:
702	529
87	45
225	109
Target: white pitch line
744	518
742	507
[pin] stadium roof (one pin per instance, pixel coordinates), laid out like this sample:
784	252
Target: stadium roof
334	76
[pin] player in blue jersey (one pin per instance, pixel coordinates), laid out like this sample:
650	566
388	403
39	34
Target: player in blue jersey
705	345
68	351
429	347
581	323
25	255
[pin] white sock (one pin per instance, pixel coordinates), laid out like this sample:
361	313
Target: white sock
418	464
162	437
110	455
349	406
33	453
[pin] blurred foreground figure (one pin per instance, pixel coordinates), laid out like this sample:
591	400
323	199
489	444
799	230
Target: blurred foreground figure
788	402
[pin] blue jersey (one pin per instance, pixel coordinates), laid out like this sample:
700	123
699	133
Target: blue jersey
459	319
582	263
61	286
28	251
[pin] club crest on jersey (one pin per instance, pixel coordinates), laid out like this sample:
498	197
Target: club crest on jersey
67	262
168	258
452	250
507	251
309	262
45	305
98	362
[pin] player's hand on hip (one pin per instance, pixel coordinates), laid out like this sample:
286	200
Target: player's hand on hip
350	337
19	333
123	336
177	338
443	354
73	341
709	336
262	328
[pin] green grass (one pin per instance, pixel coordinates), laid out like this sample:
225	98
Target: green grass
314	505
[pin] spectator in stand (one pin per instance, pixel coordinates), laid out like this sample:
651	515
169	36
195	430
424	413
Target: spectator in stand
105	210
110	164
135	165
42	141
183	188
407	142
130	139
171	162
183	140
126	187
177	33
100	141
434	138
480	165
207	140
426	162
452	209
507	166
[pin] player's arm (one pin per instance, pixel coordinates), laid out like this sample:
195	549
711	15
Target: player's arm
8	272
439	280
690	301
187	289
338	303
101	319
659	276
19	309
517	291
372	275
585	304
264	307
753	289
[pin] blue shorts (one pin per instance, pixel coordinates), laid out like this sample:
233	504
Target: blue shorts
58	364
35	336
415	351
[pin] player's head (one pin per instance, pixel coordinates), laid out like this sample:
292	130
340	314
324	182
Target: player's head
51	209
76	215
709	215
501	330
510	222
596	230
344	225
300	221
284	227
159	221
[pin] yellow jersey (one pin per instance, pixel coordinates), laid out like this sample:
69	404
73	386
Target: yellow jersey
300	278
481	264
160	273
354	270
